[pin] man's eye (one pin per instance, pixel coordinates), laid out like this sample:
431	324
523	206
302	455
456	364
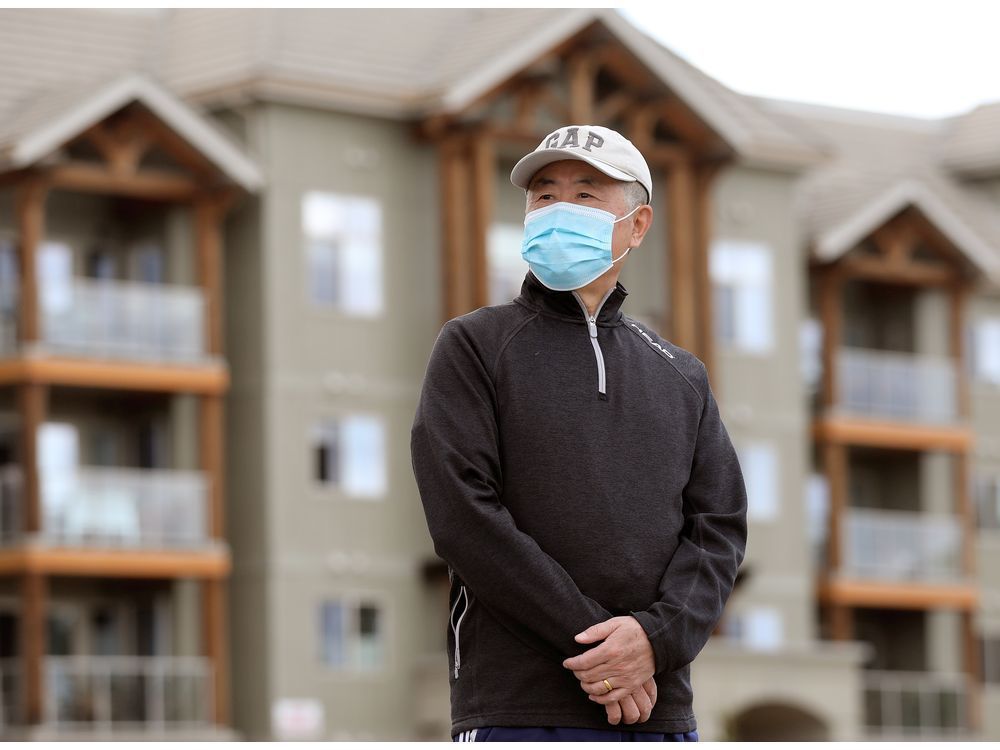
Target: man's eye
586	195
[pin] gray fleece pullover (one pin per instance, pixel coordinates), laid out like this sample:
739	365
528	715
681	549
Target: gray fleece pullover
572	469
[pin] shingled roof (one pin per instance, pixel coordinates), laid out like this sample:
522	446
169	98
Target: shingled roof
881	164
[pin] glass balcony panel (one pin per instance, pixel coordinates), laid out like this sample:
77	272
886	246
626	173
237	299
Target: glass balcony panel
900	545
126	507
896	385
925	704
123	692
126	320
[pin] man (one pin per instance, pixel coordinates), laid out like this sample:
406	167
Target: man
576	477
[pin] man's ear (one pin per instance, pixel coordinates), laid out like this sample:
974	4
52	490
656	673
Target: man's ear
642	220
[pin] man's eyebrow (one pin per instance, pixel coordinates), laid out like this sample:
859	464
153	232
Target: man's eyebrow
549	181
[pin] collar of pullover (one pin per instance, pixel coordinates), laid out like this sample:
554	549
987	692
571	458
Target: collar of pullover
536	295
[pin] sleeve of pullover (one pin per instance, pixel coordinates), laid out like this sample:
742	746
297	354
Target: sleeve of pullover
455	452
700	576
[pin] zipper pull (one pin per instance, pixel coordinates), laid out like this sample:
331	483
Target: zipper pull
593	328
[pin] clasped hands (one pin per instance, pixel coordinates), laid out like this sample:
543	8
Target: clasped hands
624	658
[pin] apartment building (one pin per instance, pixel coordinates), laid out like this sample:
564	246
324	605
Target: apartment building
233	304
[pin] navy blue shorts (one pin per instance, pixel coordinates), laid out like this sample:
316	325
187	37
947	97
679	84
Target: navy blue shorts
569	734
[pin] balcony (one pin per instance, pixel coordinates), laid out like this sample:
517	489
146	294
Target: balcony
907	705
117	507
892	545
896	386
116	693
118	320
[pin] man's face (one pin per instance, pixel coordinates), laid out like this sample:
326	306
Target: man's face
574	181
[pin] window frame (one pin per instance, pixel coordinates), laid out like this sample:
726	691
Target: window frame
352	601
740	342
338	306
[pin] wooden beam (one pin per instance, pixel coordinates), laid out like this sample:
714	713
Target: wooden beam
897	594
146	183
910	273
174	145
212	377
32	637
29	199
956	335
841	622
209	212
122	148
32	407
581	73
214	634
42	560
613	106
681	272
899	435
211	441
484	173
831	319
456	234
703	219
972	659
836	468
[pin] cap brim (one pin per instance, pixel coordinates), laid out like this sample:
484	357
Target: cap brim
525	169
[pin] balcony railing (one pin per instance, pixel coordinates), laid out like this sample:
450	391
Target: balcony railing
113	506
896	385
915	704
108	693
119	319
902	546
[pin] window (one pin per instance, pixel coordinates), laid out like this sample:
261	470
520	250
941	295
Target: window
757	628
349	452
985	353
987	496
343	245
759	462
507	268
352	634
811	352
741	278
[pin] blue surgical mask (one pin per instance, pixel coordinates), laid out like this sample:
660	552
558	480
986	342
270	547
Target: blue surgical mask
567	245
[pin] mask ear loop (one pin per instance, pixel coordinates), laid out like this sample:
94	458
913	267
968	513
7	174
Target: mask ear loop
615	260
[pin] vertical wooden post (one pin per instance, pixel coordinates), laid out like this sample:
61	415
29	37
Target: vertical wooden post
30	210
213	607
210	428
484	172
681	270
32	637
973	660
704	318
841	622
836	469
31	402
831	316
208	214
211	442
581	88
455	186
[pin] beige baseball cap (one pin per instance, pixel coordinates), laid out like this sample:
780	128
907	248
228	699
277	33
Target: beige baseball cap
603	148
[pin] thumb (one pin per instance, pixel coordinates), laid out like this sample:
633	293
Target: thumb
597	632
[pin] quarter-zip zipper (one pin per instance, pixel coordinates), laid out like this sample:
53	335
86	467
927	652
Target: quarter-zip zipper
592	330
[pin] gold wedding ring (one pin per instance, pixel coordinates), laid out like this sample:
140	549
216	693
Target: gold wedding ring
608	685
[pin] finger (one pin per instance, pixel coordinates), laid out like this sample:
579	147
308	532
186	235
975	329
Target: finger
630	711
650	687
615	695
598	632
645	706
589	659
614	711
599	688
